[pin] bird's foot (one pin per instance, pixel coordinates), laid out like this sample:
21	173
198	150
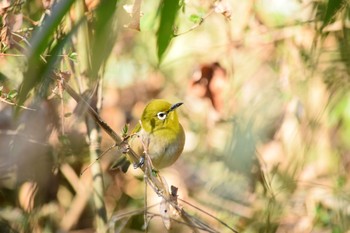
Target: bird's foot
140	163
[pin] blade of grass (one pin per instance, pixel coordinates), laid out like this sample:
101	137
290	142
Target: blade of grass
39	42
333	8
165	33
104	36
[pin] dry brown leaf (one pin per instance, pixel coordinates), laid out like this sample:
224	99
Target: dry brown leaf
209	82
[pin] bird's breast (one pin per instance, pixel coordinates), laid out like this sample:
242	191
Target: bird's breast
164	146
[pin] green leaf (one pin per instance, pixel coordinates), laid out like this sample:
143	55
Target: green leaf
333	8
168	12
1	88
39	42
104	36
3	78
195	18
73	56
54	58
12	94
125	130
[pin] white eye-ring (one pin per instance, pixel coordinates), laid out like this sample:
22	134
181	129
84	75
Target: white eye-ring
161	115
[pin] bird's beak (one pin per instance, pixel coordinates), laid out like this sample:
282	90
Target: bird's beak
175	106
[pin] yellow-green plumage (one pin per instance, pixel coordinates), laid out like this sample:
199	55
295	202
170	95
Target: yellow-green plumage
160	131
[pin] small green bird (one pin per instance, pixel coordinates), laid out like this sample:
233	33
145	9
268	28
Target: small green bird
160	133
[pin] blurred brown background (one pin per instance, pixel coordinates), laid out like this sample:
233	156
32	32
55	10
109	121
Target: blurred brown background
266	112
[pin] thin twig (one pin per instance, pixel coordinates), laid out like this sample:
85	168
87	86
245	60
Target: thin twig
14	104
27	43
92	112
60	94
196	25
98	158
11	55
210	215
207	229
21	37
145	211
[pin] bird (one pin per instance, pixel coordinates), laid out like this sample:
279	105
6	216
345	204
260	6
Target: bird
158	133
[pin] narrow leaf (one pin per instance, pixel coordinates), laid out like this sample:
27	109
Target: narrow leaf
73	56
105	34
54	58
195	18
39	43
333	8
125	130
12	94
165	33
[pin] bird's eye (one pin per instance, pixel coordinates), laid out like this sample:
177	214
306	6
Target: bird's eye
161	115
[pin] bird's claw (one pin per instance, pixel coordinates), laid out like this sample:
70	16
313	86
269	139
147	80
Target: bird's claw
140	163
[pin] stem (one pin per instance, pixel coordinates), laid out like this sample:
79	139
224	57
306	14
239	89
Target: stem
93	129
94	133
